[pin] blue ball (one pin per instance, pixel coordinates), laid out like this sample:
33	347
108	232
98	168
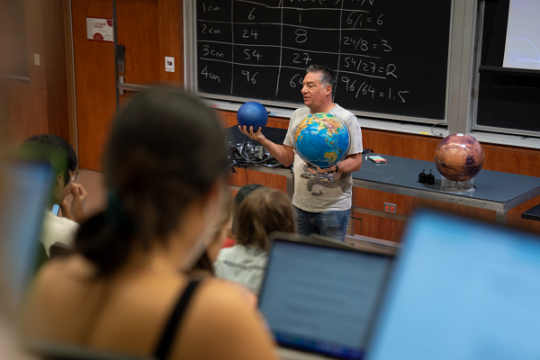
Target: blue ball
252	114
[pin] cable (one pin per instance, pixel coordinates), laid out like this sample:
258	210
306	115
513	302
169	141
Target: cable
440	123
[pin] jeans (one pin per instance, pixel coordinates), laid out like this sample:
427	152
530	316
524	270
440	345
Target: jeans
329	223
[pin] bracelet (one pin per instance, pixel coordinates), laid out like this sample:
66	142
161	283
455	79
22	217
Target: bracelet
337	169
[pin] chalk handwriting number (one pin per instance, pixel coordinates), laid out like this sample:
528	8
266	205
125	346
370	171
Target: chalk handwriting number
402	92
301	35
207	51
348	85
351	21
208	74
306	58
210	30
379	20
388	48
246	34
292	83
210	8
255	54
250	79
390	70
251	16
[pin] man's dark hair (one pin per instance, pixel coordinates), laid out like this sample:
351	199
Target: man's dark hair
56	143
328	77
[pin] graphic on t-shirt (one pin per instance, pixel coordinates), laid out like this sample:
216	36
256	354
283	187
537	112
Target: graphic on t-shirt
342	182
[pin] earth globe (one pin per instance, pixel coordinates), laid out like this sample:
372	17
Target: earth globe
459	158
322	140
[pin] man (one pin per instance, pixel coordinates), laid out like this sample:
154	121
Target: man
321	207
60	229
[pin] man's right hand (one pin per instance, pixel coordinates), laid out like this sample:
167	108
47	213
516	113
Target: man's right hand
79	195
257	136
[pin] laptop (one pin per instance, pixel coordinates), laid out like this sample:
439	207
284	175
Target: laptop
319	296
27	190
461	290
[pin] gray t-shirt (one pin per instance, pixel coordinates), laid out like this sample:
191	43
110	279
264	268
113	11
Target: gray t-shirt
314	195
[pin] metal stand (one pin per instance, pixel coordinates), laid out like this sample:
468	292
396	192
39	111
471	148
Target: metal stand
457	186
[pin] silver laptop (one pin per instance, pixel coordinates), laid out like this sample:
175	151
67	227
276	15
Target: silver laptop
319	296
461	290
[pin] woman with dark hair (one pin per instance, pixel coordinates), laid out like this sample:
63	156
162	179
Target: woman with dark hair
124	290
263	211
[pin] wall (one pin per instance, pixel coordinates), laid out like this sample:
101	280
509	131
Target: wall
40	105
149	30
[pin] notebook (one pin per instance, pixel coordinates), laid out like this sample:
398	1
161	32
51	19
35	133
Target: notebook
461	290
319	296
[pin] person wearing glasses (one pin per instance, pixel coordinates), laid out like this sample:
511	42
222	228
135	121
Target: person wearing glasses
60	228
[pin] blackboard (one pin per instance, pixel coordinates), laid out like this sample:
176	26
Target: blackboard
507	100
391	56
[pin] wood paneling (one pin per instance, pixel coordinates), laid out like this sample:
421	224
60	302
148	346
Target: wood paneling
138	24
150	30
39	105
171	39
95	83
34	10
27	111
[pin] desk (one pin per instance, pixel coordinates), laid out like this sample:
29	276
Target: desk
495	190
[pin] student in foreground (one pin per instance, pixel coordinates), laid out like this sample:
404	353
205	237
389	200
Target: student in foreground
165	169
263	211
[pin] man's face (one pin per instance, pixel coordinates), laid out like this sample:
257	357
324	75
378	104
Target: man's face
61	189
314	93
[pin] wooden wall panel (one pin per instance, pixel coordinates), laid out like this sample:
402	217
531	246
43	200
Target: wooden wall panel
39	105
95	83
150	30
138	24
34	10
171	38
26	111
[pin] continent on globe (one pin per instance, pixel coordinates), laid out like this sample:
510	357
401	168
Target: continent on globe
459	157
322	140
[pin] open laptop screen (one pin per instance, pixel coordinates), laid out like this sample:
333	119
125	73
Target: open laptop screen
322	299
461	290
21	213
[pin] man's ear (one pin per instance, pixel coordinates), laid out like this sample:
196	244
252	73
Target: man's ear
60	178
328	90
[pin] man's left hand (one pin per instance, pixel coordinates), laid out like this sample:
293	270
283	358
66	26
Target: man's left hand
330	169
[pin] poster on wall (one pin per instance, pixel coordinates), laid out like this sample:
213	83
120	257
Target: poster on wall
99	29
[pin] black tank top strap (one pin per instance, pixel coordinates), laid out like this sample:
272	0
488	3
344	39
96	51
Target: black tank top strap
167	337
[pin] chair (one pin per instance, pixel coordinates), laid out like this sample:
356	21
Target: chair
57	351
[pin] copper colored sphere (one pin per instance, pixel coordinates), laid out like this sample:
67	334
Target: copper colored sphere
459	157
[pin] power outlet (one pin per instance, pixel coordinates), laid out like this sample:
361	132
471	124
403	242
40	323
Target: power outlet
390	208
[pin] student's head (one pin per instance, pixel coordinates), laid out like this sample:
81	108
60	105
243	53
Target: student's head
318	87
217	235
165	167
50	145
263	211
240	196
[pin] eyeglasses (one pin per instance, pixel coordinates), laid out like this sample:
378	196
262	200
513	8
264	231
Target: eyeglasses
75	176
